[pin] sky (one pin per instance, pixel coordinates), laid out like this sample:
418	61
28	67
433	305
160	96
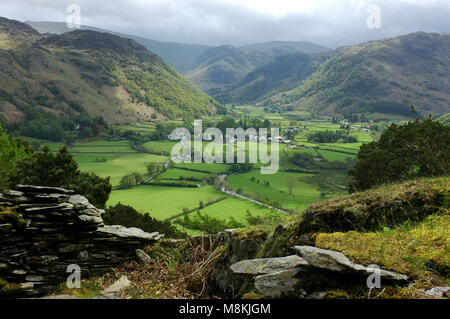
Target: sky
332	23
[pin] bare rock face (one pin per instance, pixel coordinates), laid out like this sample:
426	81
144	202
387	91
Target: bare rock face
49	228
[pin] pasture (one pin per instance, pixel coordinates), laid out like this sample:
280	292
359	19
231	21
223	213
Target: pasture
163	202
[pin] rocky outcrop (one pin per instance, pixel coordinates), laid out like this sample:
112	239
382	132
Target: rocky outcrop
43	230
309	274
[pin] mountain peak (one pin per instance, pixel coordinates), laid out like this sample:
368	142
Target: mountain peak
97	41
16	27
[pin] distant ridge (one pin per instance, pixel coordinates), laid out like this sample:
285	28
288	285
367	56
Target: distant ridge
377	77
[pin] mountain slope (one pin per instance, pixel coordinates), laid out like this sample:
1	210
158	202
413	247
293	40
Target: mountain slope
218	67
181	56
282	73
86	71
268	50
383	76
225	66
209	68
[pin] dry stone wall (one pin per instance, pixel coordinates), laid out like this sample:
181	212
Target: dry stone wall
43	230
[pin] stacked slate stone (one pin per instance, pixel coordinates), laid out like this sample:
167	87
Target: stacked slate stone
54	229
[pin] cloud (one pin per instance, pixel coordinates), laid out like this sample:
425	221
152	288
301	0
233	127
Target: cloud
238	22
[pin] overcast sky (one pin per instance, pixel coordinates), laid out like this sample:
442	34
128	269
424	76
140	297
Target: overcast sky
239	22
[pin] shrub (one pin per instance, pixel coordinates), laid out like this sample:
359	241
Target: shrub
204	222
127	216
61	170
415	149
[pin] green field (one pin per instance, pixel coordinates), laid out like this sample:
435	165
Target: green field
214	168
117	167
163	202
236	208
159	146
175	173
117	159
303	193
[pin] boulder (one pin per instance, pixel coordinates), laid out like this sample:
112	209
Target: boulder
280	284
438	292
338	262
327	259
267	265
118	286
78	201
143	257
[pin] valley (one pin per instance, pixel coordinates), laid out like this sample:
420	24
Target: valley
188	188
353	173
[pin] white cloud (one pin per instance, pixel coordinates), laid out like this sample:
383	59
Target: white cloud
328	22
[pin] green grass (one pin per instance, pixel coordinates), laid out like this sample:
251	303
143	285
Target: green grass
160	146
163	202
331	156
175	173
117	167
304	194
214	168
236	208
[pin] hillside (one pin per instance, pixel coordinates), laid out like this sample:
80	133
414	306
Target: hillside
225	66
181	56
281	74
383	76
99	73
191	59
218	67
263	52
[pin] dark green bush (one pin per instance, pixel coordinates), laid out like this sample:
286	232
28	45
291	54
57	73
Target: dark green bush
127	216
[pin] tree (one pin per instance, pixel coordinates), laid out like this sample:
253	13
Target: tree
153	168
290	183
61	170
415	149
128	180
12	151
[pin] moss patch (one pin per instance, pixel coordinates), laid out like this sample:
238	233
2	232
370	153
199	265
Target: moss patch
383	206
10	216
7	288
421	251
386	206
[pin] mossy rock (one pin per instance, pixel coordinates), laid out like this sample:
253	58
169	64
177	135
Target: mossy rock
10	216
374	209
8	289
